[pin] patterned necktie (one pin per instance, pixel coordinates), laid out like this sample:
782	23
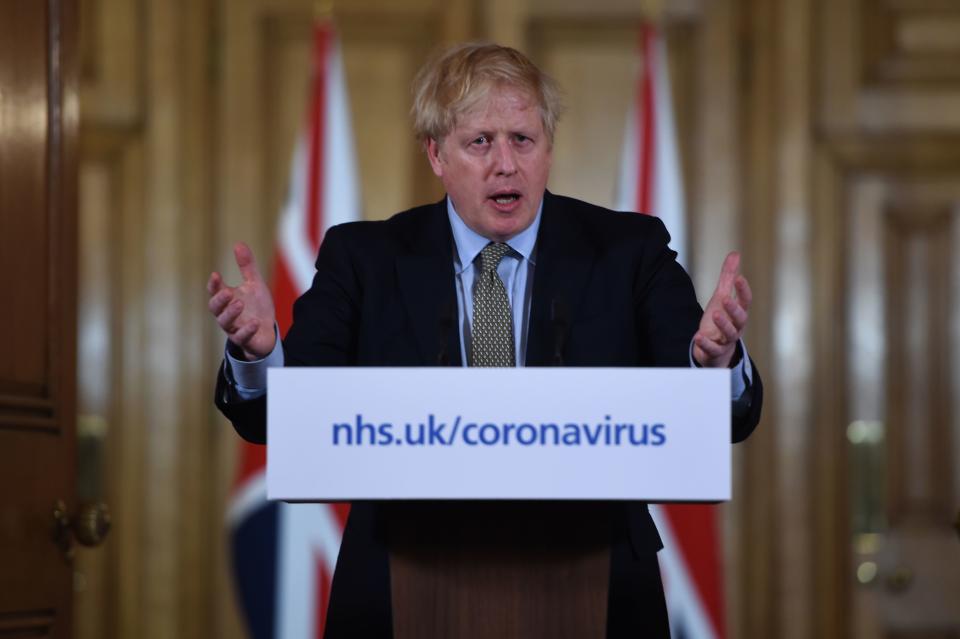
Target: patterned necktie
492	331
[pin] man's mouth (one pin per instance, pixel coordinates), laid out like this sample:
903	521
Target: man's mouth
505	198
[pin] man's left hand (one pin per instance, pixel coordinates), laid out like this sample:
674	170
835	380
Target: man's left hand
724	318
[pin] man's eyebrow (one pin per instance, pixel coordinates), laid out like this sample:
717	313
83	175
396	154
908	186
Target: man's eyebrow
476	133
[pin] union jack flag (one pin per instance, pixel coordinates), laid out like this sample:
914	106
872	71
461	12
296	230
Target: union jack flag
284	554
650	181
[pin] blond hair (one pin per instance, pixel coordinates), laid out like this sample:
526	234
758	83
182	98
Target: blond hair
453	83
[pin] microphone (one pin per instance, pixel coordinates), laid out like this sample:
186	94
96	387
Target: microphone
558	317
448	320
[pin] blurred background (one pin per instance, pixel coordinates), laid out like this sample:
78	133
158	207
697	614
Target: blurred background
819	137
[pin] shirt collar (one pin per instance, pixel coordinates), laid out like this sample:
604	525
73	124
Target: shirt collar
469	243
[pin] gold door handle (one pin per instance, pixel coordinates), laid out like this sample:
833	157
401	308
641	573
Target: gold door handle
89	526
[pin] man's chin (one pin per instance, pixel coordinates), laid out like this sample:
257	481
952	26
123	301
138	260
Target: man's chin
502	230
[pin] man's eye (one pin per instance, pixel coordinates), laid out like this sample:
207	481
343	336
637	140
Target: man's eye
481	140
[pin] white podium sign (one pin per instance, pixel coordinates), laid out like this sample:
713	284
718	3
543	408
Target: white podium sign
498	433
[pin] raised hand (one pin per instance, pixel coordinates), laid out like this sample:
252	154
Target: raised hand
244	312
724	318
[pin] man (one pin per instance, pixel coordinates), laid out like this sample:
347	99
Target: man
503	273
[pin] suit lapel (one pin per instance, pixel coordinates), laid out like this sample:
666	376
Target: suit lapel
426	280
565	259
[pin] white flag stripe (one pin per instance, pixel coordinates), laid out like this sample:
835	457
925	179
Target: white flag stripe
683	601
667	187
309	532
294	243
341	197
247	497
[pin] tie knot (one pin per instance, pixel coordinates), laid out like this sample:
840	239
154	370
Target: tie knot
491	255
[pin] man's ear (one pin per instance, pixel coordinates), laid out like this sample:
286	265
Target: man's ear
433	154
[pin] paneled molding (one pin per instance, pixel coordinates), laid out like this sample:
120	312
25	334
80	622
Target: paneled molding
671	10
886	65
25	412
108	593
33	623
917	236
900	153
911	43
112	66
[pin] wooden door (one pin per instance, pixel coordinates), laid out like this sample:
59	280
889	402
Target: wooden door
38	123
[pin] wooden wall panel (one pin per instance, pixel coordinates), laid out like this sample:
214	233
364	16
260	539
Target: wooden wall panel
910	44
381	63
112	65
596	63
146	434
887	66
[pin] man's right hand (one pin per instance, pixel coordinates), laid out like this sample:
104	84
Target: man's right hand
244	312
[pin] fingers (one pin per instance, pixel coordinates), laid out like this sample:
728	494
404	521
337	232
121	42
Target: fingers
731	263
728	332
726	326
246	262
712	349
239	329
214	284
242	336
728	274
227	318
744	294
218	302
733	292
736	313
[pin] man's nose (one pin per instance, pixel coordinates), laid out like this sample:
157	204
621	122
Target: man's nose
504	159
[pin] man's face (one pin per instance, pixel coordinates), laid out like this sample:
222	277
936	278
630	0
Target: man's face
494	164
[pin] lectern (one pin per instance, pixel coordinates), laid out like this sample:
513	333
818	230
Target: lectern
499	491
498	569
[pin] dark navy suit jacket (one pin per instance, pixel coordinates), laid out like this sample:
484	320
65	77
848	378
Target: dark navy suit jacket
384	295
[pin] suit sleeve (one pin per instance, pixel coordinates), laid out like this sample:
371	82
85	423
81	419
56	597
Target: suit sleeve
668	315
323	333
